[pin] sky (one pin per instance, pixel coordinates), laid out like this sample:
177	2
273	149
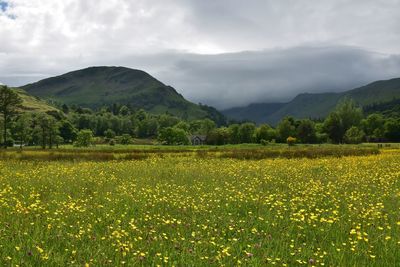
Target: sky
223	53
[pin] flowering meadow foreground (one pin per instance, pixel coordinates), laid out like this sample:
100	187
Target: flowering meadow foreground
190	211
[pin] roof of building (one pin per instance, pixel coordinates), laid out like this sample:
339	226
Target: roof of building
201	137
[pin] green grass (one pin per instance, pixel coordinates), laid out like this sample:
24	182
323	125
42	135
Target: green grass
190	211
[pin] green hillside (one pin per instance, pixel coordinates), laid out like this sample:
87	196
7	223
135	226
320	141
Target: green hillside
34	104
376	92
306	106
317	105
387	109
98	86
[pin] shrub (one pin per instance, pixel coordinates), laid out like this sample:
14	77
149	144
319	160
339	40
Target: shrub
109	133
125	139
84	138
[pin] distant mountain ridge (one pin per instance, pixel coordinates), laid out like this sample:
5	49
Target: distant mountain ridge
319	105
98	86
256	111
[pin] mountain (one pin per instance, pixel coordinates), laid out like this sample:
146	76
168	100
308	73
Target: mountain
317	105
256	111
99	86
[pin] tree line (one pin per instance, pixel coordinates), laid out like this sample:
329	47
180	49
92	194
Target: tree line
119	124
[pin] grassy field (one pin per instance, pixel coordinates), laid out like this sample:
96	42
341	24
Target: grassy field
192	210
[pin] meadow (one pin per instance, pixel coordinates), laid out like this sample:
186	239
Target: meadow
193	209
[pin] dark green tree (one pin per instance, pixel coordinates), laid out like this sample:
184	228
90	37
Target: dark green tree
10	101
373	126
166	120
124	111
234	133
183	125
392	129
141	115
195	127
147	127
65	108
333	128
320	133
125	139
207	125
23	128
354	135
246	132
345	115
126	126
109	133
286	128
350	115
306	131
218	136
67	131
53	132
264	132
41	129
46	130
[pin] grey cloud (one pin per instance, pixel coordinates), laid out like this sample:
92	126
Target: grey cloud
260	24
237	79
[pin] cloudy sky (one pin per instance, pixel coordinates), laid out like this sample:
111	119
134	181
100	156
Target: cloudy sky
223	53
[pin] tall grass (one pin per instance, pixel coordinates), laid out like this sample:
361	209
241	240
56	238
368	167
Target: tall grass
310	152
211	152
71	156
